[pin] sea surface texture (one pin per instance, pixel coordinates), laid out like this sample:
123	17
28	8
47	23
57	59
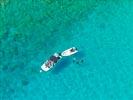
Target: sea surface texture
32	30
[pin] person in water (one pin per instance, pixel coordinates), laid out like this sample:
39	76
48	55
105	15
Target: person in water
78	61
73	49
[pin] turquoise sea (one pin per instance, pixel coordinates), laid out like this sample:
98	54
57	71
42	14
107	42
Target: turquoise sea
32	30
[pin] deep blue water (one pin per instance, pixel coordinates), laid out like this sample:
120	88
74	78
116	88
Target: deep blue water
30	31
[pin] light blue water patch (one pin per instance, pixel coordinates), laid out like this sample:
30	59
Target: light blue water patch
103	36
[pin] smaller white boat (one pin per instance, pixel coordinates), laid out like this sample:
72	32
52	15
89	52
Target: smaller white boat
69	51
55	58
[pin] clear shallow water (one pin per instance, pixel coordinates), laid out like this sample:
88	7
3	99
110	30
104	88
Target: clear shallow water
31	31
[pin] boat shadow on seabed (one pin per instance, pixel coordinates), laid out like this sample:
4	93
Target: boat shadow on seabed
65	62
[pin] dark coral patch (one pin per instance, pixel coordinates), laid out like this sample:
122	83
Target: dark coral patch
25	82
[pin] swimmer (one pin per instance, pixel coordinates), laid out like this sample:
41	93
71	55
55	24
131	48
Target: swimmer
78	61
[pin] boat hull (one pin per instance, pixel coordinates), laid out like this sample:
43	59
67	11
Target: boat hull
68	52
45	68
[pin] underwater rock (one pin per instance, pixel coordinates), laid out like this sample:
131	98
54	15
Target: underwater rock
3	2
12	69
49	1
25	82
5	35
5	68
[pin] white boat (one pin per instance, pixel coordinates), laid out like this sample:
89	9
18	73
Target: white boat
51	62
69	51
55	58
